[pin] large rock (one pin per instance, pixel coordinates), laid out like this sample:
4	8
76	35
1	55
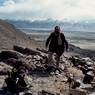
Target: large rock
78	92
88	79
4	55
43	92
19	49
4	68
42	50
26	51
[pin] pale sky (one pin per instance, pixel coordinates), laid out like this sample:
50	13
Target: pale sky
43	9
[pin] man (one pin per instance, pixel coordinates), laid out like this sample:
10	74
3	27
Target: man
57	43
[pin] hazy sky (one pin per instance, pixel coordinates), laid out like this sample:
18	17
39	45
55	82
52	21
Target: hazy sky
43	9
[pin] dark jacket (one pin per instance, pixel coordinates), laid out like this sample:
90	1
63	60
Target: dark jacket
52	42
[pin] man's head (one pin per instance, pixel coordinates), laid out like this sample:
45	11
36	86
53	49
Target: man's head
57	29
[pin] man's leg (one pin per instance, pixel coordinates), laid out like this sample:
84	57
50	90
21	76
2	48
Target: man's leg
50	58
57	60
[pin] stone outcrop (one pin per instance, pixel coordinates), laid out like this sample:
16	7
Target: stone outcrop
61	81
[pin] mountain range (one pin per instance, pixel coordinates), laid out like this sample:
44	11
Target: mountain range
86	25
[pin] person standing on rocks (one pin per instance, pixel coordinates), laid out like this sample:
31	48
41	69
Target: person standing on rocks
57	44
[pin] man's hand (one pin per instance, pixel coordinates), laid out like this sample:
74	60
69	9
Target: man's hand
67	50
46	47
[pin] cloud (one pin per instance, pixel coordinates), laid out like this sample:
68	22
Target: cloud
42	9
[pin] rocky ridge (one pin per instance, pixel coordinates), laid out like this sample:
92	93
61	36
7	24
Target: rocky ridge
74	77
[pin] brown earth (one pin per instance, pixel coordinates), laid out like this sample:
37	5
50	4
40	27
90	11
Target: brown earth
10	36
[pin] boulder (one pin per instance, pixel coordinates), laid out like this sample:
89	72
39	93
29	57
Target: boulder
78	92
42	50
43	92
75	85
88	79
26	51
29	51
4	55
16	63
19	49
4	68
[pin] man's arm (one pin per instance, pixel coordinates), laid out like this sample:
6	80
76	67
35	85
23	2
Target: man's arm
65	41
48	40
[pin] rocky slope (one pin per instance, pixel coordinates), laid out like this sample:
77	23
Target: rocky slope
75	76
10	36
